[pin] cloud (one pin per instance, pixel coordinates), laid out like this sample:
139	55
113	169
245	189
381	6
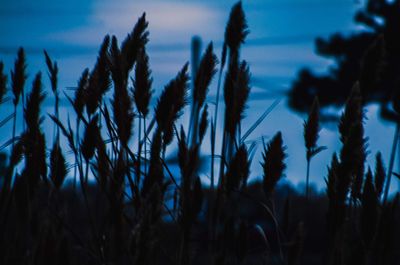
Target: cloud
169	22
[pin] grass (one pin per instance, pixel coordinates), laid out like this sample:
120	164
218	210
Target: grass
138	211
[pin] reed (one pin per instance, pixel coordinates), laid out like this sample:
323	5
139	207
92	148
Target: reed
273	163
311	134
170	104
53	76
58	166
98	80
18	78
142	93
135	208
379	175
204	75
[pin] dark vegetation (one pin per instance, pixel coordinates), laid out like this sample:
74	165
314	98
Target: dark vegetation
356	55
138	211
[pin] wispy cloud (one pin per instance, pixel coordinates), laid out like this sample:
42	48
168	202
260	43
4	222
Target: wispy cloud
170	22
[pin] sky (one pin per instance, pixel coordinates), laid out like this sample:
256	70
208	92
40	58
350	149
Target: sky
280	43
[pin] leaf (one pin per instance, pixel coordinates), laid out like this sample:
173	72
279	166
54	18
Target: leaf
259	120
6	119
317	150
397	175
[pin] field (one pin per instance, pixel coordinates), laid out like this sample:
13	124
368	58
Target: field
119	201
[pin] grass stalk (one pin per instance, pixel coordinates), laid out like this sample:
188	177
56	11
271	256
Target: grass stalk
391	162
308	179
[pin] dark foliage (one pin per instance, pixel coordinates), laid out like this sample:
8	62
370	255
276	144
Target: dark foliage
370	56
132	208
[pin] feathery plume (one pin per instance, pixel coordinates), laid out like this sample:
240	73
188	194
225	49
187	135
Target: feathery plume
353	152
352	159
273	163
236	92
99	79
116	64
243	90
238	170
53	72
142	84
32	108
204	75
58	166
311	134
18	76
80	97
170	104
35	146
236	29
133	43
90	138
380	174
122	101
311	130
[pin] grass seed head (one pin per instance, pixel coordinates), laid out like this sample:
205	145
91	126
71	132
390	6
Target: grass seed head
142	84
53	72
58	166
90	138
236	29
311	128
380	175
273	163
204	75
18	75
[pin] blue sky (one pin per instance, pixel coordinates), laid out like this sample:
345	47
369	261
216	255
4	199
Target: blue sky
280	43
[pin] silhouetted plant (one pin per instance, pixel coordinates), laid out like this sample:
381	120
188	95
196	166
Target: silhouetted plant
311	134
273	163
132	209
18	78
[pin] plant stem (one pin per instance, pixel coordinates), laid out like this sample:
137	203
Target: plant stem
215	125
76	157
391	162
308	178
14	125
145	144
56	129
139	154
23	107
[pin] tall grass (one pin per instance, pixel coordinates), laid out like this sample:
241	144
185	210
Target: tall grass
132	208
